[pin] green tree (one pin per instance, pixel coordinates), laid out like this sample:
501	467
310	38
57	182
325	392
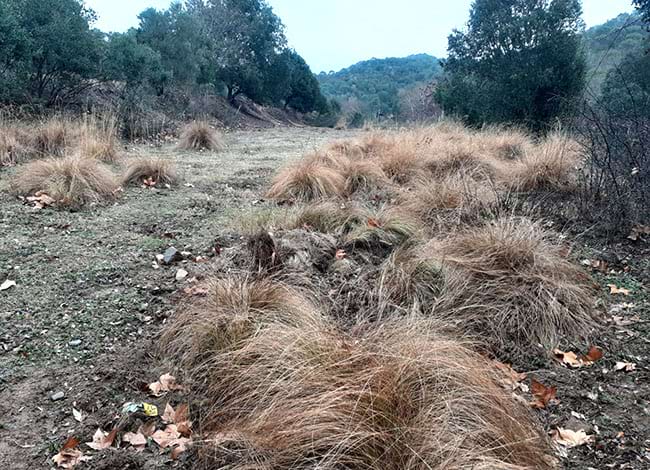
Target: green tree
644	8
131	62
303	92
62	49
519	61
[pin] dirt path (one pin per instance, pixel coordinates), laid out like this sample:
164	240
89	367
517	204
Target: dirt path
88	301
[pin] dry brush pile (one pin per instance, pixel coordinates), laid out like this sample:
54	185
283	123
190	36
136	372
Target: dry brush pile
357	325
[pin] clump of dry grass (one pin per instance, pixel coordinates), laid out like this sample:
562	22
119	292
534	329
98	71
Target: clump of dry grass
199	135
550	165
384	228
151	171
234	311
97	138
50	137
327	217
307	180
510	283
13	148
72	182
399	397
504	143
409	279
450	201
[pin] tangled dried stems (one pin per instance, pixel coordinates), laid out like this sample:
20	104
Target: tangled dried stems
199	135
399	396
383	229
151	171
72	182
50	137
97	137
13	145
511	283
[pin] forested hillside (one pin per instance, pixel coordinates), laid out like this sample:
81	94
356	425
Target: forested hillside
380	87
607	44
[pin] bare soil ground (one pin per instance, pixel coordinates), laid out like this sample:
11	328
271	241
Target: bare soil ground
88	305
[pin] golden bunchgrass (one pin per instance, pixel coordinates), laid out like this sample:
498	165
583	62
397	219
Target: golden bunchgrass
307	180
151	171
199	135
96	137
73	182
510	283
302	394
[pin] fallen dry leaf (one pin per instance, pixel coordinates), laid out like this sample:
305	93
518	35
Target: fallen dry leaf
340	254
137	440
569	438
102	440
615	290
147	429
70	455
166	438
40	200
625	366
543	394
596	264
571	359
166	383
8	284
179	417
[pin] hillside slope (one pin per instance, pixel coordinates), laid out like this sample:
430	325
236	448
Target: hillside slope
374	87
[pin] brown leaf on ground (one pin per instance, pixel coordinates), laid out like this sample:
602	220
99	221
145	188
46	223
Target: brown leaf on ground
40	200
637	231
166	383
593	355
102	440
179	417
340	254
615	290
571	359
569	438
543	394
147	429
166	437
137	440
70	455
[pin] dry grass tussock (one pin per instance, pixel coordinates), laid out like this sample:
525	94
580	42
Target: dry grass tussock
398	397
550	165
510	283
150	171
199	135
72	182
450	201
13	148
234	310
383	228
51	137
95	137
307	180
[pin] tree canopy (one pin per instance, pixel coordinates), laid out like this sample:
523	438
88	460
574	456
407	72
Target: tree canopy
519	61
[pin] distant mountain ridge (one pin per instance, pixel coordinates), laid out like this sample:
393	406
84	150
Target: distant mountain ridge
373	87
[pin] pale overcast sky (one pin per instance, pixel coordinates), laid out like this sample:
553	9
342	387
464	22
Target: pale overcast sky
332	34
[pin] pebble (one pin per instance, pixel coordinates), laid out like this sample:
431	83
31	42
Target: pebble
181	274
75	342
57	396
171	255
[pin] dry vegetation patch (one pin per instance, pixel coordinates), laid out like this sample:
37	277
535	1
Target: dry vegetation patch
399	396
97	138
511	283
150	171
307	180
72	182
199	135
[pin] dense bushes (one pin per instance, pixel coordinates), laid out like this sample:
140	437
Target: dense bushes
50	55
